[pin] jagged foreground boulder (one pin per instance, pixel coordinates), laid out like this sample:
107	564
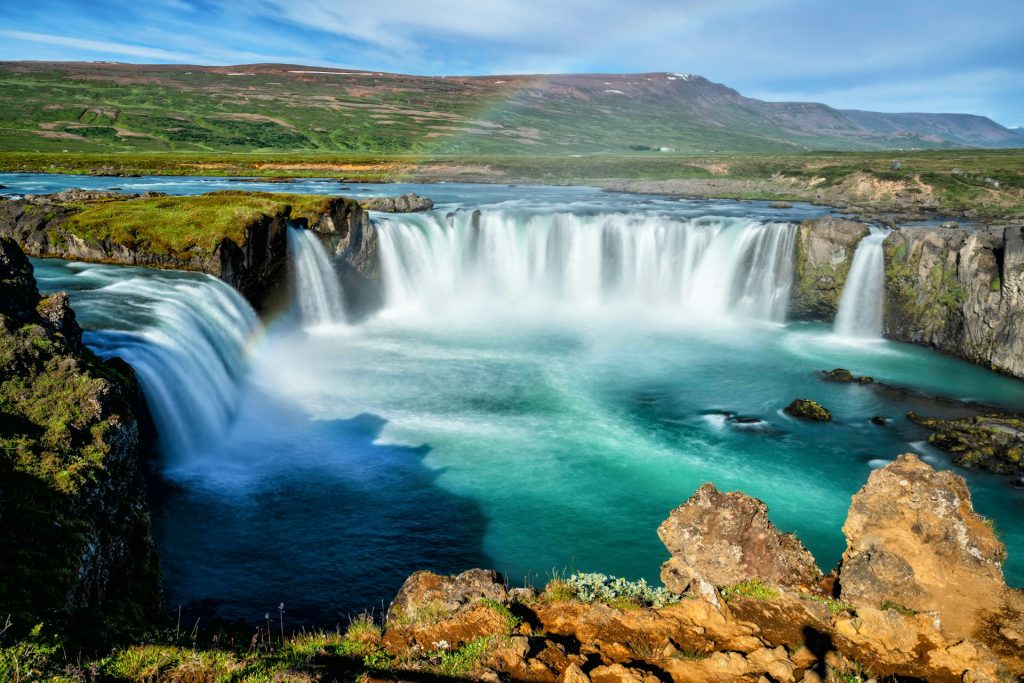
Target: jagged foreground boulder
726	538
943	615
914	540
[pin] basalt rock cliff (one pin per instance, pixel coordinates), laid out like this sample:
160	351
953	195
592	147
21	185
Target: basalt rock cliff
74	517
959	291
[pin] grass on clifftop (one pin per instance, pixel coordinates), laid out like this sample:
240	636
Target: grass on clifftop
176	225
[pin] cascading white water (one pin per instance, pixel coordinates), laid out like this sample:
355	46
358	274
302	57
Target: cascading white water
707	268
188	354
860	307
317	289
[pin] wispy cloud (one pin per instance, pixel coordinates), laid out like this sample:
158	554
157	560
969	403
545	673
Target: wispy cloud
98	46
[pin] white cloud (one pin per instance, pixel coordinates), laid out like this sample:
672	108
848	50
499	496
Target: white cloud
97	45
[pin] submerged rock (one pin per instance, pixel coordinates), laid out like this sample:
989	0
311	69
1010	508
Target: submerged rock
842	376
915	543
879	420
838	375
808	410
406	203
727	538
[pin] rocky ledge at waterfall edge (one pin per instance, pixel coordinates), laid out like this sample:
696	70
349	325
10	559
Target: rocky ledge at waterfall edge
919	594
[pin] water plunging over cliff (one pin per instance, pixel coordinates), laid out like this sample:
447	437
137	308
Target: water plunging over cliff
860	308
317	290
185	337
705	268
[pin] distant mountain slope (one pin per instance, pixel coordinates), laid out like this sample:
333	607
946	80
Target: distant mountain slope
275	107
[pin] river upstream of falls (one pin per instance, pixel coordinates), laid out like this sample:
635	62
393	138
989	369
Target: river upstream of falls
535	397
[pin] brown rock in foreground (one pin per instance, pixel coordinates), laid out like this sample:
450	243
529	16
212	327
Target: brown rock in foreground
908	516
726	538
914	541
428	592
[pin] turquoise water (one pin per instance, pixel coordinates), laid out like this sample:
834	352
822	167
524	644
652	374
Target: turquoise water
529	437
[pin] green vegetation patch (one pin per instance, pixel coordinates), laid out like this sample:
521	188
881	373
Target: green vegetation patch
178	225
755	590
614	591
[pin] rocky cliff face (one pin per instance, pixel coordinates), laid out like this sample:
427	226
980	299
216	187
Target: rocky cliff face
914	540
74	521
823	256
959	291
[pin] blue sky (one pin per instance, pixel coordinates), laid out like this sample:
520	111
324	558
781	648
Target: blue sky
894	55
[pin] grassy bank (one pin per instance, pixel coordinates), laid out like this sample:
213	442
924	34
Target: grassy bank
175	225
988	183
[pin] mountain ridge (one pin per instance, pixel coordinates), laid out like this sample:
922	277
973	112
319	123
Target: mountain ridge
291	107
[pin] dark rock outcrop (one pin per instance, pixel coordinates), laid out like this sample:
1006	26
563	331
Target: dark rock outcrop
807	409
74	520
844	376
959	291
406	203
348	233
822	259
991	441
914	541
727	538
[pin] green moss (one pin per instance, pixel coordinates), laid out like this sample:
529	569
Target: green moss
809	410
754	590
463	660
429	612
512	622
896	607
834	606
180	225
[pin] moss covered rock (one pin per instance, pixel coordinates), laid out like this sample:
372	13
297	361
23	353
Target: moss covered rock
74	522
992	441
807	409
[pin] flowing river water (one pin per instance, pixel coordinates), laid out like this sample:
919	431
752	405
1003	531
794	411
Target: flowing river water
541	388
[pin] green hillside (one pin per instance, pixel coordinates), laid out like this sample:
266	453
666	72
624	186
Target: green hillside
96	107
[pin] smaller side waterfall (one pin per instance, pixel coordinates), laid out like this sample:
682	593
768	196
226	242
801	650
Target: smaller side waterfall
317	290
860	308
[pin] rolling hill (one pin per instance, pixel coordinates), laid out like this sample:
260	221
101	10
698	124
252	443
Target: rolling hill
99	106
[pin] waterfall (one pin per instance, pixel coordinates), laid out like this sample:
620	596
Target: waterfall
317	289
860	307
706	268
186	339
